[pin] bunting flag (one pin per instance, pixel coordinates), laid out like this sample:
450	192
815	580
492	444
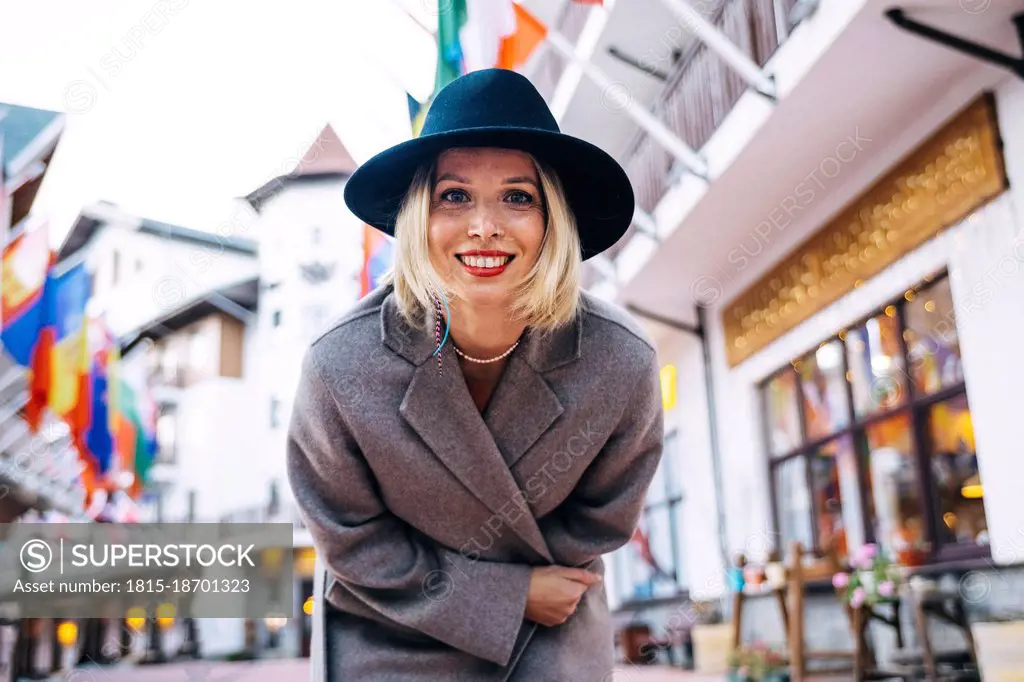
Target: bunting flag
417	112
643	546
26	335
98	440
70	355
377	259
26	264
133	440
479	34
482	34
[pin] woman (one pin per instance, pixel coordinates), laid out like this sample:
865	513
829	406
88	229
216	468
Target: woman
470	439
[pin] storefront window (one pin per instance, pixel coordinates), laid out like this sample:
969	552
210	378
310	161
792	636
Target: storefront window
822	378
873	470
833	480
932	343
793	502
895	490
954	463
877	373
783	413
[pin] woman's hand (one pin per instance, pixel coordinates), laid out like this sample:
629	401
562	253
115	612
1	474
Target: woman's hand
555	591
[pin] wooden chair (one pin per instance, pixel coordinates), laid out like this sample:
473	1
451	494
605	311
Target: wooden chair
798	576
861	661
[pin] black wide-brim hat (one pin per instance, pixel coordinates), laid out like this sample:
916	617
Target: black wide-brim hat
499	108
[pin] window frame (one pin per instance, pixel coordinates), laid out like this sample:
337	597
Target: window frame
672	503
916	406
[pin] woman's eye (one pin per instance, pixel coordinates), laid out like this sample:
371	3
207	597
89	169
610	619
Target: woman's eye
454	195
520	197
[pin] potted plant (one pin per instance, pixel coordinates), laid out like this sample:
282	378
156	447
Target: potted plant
757	663
997	639
873	579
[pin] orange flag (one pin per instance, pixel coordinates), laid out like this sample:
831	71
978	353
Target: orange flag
516	49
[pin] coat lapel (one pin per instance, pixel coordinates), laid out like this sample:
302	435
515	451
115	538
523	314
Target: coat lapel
522	408
443	414
478	449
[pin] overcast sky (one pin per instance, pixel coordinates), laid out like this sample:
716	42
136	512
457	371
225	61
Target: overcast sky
175	106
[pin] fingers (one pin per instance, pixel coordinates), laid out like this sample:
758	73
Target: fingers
581	575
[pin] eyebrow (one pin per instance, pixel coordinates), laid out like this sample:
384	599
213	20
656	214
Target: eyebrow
508	181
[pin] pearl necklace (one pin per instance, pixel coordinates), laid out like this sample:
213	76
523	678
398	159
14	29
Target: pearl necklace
488	360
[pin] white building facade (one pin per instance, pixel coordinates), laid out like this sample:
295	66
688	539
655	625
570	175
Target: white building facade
848	243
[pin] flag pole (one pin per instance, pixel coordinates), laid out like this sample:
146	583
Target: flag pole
645	119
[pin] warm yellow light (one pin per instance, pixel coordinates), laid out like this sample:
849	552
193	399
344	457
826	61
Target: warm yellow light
890	311
910	295
929	306
67	633
272	557
307	606
135	618
949	518
668	387
973	491
305	561
165	615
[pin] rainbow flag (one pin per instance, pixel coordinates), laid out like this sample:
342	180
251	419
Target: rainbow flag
377	259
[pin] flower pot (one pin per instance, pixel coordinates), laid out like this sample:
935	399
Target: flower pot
712	645
1000	655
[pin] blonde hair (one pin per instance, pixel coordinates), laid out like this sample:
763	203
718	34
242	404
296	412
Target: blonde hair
546	299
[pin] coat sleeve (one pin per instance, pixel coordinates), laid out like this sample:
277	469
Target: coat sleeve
602	512
475	606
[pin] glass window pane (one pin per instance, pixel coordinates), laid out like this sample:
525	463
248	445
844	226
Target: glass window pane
836	492
783	415
680	553
826	405
656	491
877	373
793	503
673	479
954	465
932	343
661	558
895	499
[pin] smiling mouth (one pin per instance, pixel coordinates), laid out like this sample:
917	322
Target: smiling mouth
485	261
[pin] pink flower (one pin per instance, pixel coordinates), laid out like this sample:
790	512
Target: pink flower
840	580
866	556
858	597
743	672
886	589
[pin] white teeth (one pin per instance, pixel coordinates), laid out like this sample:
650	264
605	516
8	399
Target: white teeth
481	262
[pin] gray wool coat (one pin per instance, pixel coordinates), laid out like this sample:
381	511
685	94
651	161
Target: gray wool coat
430	515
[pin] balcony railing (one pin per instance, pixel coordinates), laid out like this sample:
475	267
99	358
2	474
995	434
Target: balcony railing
552	64
702	89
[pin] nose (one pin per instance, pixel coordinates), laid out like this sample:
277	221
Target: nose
486	222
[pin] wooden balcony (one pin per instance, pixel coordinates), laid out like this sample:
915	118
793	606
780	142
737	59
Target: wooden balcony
702	89
551	64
